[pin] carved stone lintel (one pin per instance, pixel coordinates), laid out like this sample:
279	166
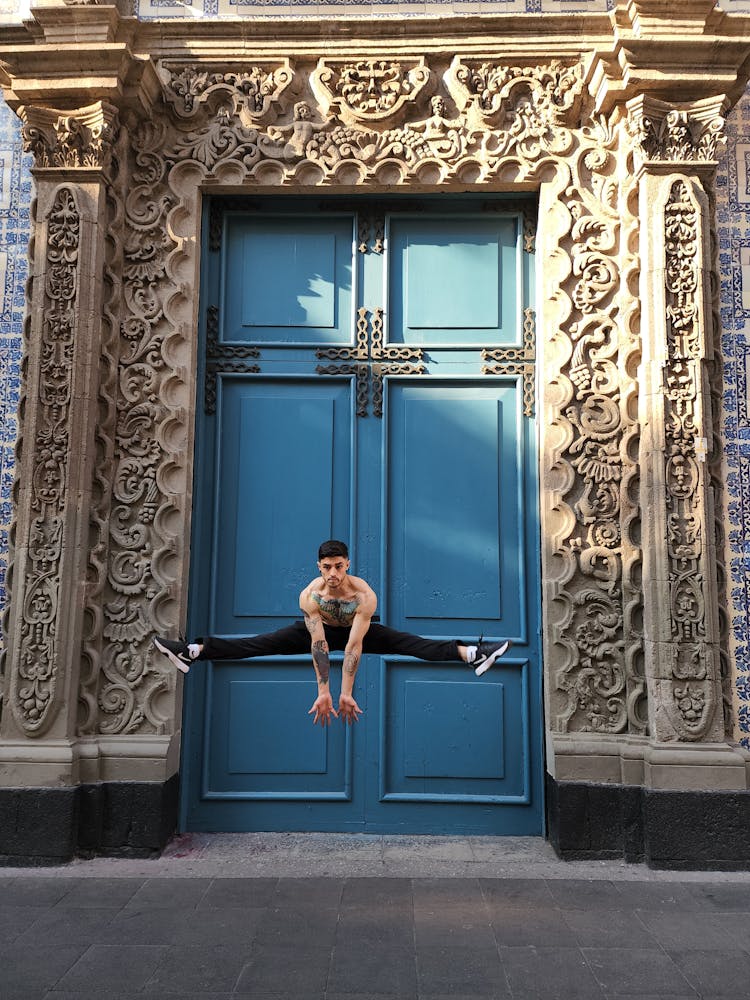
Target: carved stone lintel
81	139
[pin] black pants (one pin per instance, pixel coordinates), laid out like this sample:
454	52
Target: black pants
296	639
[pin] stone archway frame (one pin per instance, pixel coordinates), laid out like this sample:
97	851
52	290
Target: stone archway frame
474	121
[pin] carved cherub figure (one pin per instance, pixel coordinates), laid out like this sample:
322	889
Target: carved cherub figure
289	142
445	136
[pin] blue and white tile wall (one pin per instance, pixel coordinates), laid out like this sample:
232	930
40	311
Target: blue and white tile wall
733	209
15	203
733	198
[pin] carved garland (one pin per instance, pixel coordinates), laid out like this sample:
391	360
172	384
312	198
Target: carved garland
34	683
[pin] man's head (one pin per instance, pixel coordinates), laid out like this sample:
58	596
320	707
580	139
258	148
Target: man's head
333	562
333	548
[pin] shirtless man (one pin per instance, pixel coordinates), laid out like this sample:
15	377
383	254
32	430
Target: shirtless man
337	610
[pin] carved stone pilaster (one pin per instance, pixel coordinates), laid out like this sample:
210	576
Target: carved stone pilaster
61	480
683	642
55	482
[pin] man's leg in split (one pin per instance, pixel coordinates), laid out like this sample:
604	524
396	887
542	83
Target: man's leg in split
480	656
291	639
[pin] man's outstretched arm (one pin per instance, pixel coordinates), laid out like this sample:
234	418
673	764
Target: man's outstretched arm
348	707
322	708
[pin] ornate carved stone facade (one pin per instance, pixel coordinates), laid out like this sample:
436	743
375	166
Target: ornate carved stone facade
634	634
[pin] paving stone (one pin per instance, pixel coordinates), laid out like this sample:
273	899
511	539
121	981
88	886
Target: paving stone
430	892
370	892
522	891
461	925
34	891
357	924
206	969
102	892
452	970
531	925
722	973
585	894
636	970
185	893
285	970
178	926
303	927
231	892
615	929
102	965
14	920
322	892
35	967
70	925
656	896
551	973
372	967
722	896
700	930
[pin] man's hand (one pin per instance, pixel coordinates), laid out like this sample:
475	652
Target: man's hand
323	709
349	710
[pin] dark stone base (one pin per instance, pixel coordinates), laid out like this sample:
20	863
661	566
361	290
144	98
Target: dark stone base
51	826
699	831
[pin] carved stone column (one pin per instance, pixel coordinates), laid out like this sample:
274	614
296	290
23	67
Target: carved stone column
72	153
675	153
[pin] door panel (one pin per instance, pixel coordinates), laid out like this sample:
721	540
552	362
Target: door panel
288	279
453	280
350	402
455	513
282	443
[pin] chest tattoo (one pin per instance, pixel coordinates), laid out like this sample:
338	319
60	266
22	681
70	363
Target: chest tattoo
335	611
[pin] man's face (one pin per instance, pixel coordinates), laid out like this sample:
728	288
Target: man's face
333	569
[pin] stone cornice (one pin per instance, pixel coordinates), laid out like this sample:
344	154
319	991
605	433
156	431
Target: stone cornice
76	54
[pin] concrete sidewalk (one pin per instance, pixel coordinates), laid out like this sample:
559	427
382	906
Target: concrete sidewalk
338	917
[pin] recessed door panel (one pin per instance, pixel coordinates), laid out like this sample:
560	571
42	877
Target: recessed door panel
455	516
453	280
281	442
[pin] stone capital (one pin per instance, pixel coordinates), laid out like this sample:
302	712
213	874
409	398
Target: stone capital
683	136
70	140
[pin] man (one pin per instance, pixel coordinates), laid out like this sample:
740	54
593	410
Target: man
337	610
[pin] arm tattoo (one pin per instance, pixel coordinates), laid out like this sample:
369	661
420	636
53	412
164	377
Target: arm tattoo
351	662
320	659
311	622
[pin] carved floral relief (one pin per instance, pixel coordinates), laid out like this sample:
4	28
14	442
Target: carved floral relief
33	685
693	671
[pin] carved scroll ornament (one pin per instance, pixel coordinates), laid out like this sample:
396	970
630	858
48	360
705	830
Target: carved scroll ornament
255	91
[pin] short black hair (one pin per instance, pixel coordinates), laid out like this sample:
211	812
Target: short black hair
332	548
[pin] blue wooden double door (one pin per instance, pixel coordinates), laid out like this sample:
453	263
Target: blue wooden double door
366	374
